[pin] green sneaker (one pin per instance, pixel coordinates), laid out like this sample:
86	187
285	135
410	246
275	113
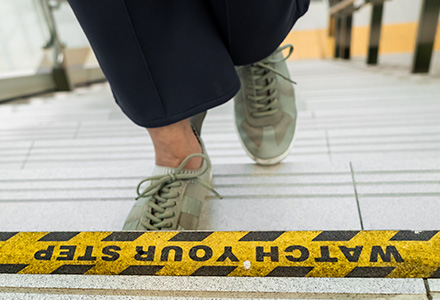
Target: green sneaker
265	111
173	200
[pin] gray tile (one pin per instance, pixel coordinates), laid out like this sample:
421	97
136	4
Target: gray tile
12	146
92	142
244	159
387	121
37	136
396	165
378	157
10	166
10	159
31	123
286	190
398	188
149	160
94	194
397	111
112	132
129	163
99	124
337	104
236	149
385	147
284	168
292	287
335	213
90	156
283	179
414	213
66	117
375	139
307	158
71	184
75	173
41	151
42	296
402	177
67	216
434	287
43	128
391	132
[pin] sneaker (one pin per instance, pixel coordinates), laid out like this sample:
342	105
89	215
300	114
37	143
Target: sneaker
265	111
174	198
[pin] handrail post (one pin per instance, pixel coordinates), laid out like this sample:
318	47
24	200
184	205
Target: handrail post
60	70
342	12
425	36
345	46
335	27
375	31
338	36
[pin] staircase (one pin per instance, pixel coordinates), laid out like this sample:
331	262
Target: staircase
366	156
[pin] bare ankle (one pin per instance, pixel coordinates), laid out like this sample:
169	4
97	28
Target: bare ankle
173	143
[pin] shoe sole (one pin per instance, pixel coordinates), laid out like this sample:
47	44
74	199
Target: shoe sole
268	161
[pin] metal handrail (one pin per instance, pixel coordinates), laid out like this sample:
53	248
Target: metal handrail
350	6
341	13
340	7
60	72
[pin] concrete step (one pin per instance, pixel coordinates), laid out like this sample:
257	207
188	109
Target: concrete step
291	196
366	156
135	287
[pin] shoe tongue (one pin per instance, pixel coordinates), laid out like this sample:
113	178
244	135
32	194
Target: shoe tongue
160	170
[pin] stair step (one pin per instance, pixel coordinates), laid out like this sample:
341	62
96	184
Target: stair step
167	288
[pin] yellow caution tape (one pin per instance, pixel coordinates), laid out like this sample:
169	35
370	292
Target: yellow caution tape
393	254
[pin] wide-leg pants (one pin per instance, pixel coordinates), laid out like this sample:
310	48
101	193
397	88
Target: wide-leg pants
167	60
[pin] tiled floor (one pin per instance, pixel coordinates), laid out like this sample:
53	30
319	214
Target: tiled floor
198	288
366	156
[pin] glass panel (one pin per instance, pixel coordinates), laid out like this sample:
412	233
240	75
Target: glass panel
68	27
22	35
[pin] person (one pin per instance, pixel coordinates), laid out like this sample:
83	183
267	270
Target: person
169	61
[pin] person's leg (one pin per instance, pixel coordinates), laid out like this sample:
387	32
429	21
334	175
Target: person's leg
165	60
173	143
265	111
252	30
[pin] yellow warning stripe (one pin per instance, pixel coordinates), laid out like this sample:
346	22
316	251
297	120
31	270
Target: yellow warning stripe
393	254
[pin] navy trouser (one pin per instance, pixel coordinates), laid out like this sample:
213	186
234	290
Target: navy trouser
167	60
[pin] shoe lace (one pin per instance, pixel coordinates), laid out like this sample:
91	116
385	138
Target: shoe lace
264	84
162	194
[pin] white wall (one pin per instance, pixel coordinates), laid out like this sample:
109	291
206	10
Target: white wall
395	11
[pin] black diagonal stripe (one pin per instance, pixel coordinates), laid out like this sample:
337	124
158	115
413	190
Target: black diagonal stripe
290	272
435	274
122	236
407	235
73	269
11	268
261	236
141	270
4	236
58	236
335	236
213	271
379	272
190	236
